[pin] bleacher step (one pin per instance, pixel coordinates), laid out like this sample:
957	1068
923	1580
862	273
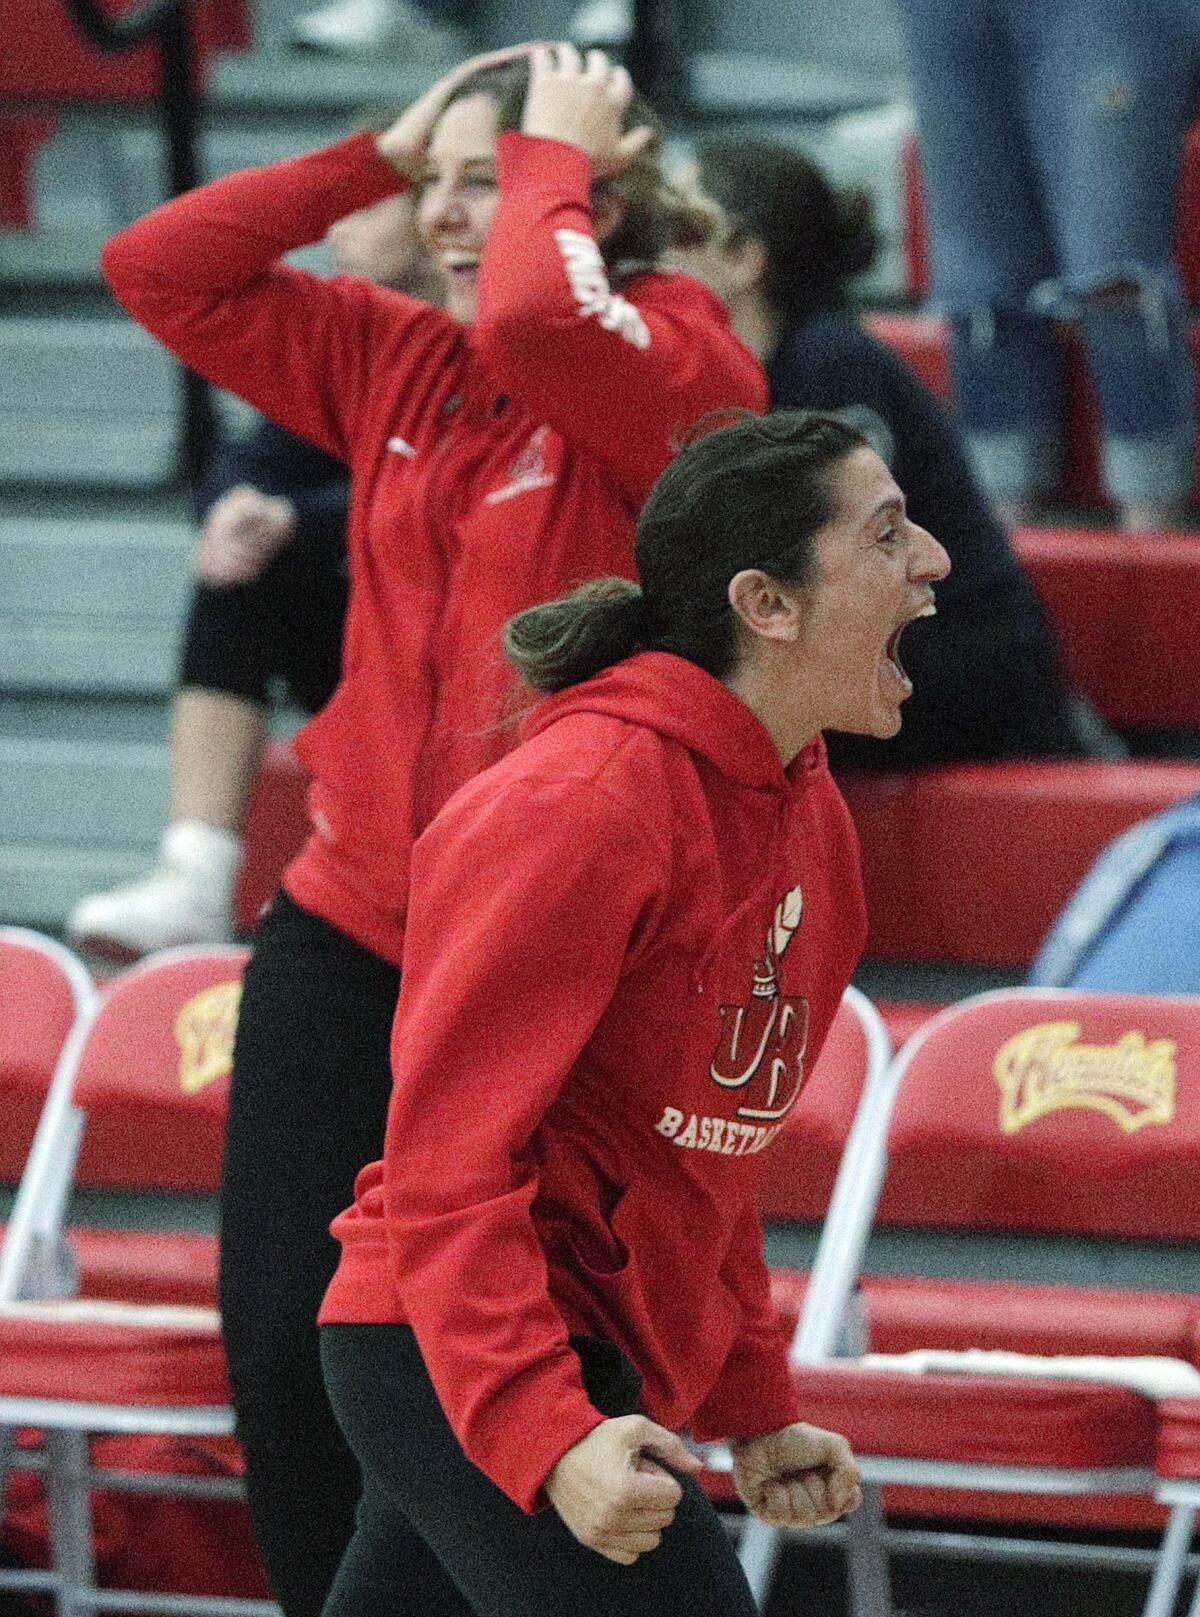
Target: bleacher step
90	606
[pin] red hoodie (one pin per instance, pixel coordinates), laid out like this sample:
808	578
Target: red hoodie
492	468
626	943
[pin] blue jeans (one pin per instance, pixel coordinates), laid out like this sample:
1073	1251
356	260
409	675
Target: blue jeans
1051	133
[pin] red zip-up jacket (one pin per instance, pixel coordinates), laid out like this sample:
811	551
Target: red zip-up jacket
491	468
626	944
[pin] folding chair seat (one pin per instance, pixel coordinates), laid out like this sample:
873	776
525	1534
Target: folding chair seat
904	1313
1019	1110
156	1053
44	989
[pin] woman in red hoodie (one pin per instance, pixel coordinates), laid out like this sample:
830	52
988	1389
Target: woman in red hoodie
499	451
626	944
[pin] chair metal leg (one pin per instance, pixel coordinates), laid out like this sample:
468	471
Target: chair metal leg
758	1551
8	1446
1168	1569
68	1505
869	1584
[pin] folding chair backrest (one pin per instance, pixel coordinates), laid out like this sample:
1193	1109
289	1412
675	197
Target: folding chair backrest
797	1175
44	989
1050	1110
153	1074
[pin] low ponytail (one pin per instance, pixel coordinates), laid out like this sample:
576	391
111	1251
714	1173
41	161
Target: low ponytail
563	642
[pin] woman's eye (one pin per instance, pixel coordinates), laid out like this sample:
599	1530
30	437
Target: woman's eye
889	536
480	182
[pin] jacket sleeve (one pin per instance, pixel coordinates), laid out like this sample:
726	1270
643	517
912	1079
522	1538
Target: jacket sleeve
204	274
754	1392
524	910
623	379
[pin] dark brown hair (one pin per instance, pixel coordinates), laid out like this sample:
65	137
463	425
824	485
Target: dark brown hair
749	494
816	236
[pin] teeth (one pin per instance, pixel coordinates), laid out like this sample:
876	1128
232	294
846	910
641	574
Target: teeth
929	611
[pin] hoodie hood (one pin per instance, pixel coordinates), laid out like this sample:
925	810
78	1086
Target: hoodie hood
679	700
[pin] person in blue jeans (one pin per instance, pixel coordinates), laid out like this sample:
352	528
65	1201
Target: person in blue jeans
1051	134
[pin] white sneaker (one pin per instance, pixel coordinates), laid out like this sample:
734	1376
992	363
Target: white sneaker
186	898
602	24
367	27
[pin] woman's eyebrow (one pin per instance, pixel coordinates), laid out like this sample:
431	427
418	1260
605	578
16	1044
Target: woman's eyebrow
892	506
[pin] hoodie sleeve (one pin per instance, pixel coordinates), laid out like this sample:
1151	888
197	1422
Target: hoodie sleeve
754	1392
623	379
204	274
526	905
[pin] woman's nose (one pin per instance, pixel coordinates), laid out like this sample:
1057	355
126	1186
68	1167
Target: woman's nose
932	560
440	207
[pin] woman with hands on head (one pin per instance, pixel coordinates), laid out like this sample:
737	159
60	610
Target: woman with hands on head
627	941
499	450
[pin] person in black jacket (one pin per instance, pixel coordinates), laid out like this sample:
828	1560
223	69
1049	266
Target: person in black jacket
265	619
989	683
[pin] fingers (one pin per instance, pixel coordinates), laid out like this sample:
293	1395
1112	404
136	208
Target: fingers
668	1447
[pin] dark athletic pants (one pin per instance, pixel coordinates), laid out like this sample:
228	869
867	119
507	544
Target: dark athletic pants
436	1538
311	1080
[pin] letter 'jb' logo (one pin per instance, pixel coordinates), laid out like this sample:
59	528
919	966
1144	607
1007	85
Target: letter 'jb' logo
763	1043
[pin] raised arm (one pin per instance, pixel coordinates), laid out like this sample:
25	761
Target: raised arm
622	377
524	910
204	274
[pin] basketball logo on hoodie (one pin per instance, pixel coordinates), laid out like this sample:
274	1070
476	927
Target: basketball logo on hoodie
763	1042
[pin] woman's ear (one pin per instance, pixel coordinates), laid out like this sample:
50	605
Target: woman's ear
608	210
768	608
746	258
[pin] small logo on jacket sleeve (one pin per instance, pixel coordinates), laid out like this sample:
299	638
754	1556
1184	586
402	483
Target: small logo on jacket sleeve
589	283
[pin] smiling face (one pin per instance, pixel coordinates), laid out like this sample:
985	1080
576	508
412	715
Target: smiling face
876	571
459	197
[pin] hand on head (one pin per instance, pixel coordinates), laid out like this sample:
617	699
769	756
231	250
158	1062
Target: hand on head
584	102
570	99
403	145
799	1476
240	534
611	1492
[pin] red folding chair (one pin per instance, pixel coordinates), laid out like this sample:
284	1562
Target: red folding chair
44	990
1029	1110
152	1058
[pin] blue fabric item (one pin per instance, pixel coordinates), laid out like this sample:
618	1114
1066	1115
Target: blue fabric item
1051	133
1133	924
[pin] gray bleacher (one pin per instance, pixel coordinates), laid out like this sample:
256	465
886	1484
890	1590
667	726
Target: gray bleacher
94	532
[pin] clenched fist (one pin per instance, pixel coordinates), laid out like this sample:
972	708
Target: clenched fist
610	1491
799	1476
242	531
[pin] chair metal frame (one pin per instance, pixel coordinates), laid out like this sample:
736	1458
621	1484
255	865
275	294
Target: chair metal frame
828	1329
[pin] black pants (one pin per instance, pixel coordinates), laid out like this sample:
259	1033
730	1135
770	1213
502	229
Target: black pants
436	1538
285	624
311	1079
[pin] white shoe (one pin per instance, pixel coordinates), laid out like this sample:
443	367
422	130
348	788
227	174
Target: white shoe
602	24
186	898
367	27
